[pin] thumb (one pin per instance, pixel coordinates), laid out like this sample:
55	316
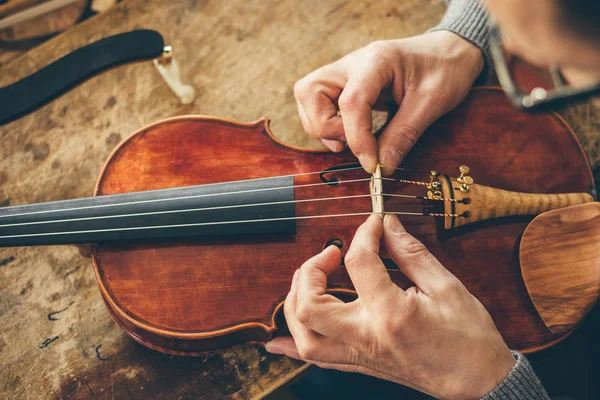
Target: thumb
413	258
406	127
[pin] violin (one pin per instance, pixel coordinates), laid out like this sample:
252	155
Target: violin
199	223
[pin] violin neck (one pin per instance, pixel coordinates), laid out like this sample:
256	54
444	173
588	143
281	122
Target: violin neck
206	210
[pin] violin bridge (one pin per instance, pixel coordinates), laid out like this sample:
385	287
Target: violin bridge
169	70
376	186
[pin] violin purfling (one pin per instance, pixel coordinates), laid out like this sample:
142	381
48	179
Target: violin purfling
198	224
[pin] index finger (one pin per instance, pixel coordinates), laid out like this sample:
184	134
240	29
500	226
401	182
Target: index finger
356	102
366	270
316	97
314	308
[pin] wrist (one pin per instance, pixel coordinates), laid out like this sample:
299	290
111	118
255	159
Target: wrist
461	51
501	364
481	377
519	383
504	362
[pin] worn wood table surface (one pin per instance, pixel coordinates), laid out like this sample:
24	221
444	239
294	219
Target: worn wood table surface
243	57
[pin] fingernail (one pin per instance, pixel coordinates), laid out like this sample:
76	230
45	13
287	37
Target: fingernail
392	223
367	163
295	278
333	145
391	158
273	349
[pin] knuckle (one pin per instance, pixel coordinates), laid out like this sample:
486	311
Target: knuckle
399	322
415	249
288	306
321	130
450	288
378	48
355	258
323	118
406	133
304	313
306	350
349	100
302	88
381	52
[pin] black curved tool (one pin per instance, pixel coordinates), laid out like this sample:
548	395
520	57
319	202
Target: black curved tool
49	82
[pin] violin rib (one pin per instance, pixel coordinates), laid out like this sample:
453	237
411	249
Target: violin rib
193	295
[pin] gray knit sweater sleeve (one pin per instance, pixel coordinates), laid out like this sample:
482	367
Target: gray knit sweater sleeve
520	384
468	19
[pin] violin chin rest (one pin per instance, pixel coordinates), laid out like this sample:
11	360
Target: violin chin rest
560	264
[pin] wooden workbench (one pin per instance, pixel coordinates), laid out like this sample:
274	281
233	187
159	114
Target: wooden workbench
243	57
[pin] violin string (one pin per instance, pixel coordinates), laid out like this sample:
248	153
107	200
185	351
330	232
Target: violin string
340	181
411	182
214	208
151	213
184	197
422	198
220	223
216	183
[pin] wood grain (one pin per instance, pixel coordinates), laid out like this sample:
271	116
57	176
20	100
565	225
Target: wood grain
40	26
560	264
243	58
197	295
485	203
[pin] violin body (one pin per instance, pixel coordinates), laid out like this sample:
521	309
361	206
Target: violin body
194	295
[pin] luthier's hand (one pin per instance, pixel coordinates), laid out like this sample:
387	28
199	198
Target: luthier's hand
435	337
426	75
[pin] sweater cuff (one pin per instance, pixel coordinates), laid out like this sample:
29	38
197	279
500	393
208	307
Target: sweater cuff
468	19
520	384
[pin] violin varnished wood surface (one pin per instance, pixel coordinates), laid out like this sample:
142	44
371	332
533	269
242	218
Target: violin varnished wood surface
563	284
243	57
203	295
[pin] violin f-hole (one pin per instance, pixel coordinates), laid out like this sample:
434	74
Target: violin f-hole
337	242
334	181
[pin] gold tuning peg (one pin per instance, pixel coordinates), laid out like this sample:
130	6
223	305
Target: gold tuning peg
167	56
433	175
464	178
